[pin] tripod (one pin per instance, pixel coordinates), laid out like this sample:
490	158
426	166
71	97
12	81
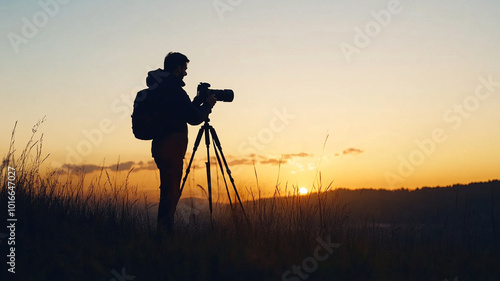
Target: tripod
208	130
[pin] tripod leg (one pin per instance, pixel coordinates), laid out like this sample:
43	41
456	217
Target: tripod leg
196	144
217	143
207	165
223	175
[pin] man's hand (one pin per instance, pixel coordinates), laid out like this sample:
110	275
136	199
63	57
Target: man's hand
211	100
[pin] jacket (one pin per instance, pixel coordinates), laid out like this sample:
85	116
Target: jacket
176	109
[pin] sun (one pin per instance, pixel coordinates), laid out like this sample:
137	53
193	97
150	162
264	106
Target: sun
303	191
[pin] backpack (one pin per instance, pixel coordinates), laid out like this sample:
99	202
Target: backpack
146	122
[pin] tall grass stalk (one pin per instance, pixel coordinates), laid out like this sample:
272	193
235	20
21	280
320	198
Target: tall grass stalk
78	228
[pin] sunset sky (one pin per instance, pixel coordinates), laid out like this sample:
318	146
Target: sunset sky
379	93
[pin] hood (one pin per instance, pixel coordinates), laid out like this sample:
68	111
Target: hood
159	76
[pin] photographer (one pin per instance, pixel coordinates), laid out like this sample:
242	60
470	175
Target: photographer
169	148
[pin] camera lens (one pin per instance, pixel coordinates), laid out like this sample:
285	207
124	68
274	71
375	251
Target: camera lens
223	95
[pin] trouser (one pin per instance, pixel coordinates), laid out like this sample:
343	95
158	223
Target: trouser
168	153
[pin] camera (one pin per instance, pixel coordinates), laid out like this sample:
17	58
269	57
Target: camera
203	92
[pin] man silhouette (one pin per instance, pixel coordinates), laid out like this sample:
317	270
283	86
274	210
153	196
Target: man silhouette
168	149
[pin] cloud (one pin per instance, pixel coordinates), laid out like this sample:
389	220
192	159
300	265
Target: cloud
244	161
352	151
284	158
273	161
86	168
151	165
265	160
125	166
302	154
121	166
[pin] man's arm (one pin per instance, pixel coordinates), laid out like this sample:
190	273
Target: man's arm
193	112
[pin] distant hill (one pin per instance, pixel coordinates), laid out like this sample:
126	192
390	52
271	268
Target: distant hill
474	204
477	202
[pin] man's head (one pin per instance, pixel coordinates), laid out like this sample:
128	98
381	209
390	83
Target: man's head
176	63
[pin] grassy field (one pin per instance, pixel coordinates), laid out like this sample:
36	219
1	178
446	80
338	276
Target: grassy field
72	228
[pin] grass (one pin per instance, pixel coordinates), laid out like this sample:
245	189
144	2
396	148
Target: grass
73	228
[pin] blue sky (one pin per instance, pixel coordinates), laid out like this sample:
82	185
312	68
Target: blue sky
87	61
